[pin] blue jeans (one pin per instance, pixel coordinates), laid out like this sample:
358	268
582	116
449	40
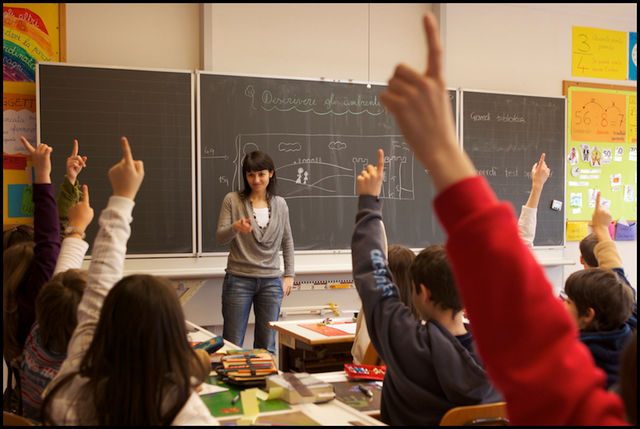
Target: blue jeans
238	293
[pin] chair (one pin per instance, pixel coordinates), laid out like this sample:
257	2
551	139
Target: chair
494	414
10	419
371	356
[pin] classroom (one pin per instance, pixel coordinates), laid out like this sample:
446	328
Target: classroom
519	52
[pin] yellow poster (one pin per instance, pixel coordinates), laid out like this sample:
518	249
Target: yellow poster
599	53
30	34
633	119
576	231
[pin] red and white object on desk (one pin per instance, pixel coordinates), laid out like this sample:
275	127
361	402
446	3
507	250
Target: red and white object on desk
365	372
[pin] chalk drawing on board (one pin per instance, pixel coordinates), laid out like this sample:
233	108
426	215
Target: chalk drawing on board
310	166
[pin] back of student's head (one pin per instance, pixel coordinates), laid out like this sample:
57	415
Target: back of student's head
57	308
586	249
16	261
139	356
400	259
604	291
431	268
17	234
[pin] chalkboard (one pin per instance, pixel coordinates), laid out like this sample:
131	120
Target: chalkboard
320	135
154	110
504	135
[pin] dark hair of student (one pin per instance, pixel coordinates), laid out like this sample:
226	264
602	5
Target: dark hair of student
16	261
258	161
604	291
431	268
586	249
139	356
400	259
57	308
16	234
629	379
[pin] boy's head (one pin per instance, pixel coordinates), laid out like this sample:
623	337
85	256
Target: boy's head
57	306
587	257
598	299
433	282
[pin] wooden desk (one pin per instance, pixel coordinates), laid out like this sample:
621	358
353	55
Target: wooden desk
304	350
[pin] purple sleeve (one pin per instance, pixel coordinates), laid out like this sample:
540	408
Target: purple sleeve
46	226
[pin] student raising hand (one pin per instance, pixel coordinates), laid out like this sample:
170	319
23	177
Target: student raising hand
420	105
369	182
81	214
126	176
75	163
41	158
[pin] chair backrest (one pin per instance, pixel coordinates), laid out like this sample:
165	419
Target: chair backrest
371	356
494	414
10	419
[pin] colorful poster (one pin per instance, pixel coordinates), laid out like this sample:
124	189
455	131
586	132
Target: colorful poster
576	231
599	53
602	152
31	34
633	56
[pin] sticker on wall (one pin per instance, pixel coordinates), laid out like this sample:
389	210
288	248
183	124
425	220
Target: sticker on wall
633	153
616	181
585	151
573	156
596	156
607	154
576	199
575	171
592	198
618	153
629	193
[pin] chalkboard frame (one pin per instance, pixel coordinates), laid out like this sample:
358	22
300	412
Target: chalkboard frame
199	73
192	163
462	91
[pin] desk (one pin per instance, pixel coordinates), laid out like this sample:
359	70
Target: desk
304	350
277	412
347	391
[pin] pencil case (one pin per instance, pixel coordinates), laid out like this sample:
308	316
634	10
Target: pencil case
365	372
250	368
211	345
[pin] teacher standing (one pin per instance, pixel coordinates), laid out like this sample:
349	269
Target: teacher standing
255	222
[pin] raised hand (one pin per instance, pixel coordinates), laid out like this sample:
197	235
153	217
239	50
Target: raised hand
81	214
75	163
41	158
601	216
243	226
369	182
126	176
420	104
540	172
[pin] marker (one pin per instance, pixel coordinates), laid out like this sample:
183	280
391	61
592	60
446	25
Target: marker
365	391
235	399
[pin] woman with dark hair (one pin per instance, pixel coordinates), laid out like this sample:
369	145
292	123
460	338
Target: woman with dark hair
128	361
255	223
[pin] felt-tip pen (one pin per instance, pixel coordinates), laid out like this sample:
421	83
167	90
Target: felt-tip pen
235	399
366	391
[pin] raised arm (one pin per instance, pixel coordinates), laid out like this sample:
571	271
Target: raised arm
107	258
46	228
525	337
73	246
528	215
70	192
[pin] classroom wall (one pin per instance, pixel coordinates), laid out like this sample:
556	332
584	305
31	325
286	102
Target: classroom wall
521	48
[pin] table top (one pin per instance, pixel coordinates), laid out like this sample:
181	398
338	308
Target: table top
310	336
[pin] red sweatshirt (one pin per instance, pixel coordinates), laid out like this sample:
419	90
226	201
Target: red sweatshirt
525	337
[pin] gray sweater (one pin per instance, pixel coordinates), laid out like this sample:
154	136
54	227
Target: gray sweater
256	254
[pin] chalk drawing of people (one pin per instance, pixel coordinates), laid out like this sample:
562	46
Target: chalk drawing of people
299	178
306	177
